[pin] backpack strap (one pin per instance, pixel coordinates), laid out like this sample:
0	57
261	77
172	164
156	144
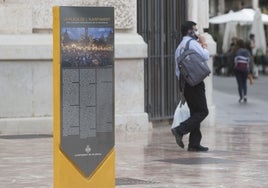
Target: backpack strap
186	46
181	79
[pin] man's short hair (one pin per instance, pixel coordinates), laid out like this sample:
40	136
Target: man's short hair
240	43
187	26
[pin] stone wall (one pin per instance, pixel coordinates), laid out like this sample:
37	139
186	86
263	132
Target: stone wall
26	65
23	16
26	83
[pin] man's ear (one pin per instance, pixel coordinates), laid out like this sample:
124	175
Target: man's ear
190	32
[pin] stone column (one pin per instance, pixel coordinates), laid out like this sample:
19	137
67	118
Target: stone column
129	82
130	51
198	11
255	4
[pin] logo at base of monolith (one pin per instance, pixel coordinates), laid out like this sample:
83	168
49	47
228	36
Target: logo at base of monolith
88	153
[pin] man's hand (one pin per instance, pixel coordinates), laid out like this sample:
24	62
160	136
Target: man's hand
202	41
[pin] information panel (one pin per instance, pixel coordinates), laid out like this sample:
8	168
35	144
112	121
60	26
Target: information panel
87	85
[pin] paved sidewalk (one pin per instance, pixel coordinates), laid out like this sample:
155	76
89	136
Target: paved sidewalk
238	155
26	161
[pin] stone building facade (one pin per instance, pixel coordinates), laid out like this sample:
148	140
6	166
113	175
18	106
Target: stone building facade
26	74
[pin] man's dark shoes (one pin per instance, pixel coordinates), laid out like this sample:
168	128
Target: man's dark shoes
178	137
197	148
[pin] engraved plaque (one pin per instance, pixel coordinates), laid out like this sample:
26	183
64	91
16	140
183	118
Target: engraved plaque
87	85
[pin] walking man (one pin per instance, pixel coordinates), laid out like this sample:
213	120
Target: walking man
194	95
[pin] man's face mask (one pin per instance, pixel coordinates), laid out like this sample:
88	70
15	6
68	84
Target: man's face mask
194	33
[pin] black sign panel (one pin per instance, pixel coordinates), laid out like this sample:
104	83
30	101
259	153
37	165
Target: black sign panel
87	85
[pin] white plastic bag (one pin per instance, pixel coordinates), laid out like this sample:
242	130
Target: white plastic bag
182	113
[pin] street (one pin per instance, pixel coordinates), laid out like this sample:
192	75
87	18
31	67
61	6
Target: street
230	112
259	90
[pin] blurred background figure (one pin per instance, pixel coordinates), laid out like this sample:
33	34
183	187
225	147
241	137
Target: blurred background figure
248	21
250	45
242	67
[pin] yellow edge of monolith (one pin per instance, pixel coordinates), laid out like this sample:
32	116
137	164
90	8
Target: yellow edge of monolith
66	174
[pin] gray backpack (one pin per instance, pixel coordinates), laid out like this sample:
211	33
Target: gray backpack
192	66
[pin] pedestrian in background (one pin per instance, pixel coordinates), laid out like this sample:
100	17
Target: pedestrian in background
256	56
194	95
231	55
242	67
250	44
